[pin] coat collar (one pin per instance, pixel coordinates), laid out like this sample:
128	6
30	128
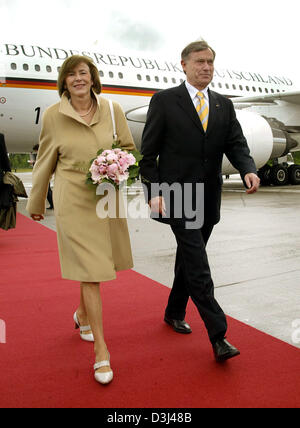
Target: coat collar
187	105
67	109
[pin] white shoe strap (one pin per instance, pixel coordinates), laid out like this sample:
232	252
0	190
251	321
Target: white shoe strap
101	364
85	328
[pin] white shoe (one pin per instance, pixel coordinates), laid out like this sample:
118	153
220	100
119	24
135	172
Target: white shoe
105	377
87	337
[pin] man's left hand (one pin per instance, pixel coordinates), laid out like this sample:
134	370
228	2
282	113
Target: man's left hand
252	182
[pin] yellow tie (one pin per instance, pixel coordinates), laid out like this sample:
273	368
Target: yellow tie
202	110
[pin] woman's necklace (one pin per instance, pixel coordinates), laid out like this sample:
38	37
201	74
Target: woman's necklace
85	114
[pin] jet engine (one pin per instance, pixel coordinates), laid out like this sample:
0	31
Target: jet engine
266	138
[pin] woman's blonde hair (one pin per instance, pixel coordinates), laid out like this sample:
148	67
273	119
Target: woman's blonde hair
69	65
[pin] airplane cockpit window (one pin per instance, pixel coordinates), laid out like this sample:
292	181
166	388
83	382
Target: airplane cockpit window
13	66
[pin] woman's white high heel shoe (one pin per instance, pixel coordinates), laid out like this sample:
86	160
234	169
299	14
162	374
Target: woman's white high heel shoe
87	337
105	377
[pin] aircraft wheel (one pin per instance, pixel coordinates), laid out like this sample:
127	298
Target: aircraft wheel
294	174
279	175
264	175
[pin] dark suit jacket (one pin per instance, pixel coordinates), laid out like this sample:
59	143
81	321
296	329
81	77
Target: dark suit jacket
187	154
4	160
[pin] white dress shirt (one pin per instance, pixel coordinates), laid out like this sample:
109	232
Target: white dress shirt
193	94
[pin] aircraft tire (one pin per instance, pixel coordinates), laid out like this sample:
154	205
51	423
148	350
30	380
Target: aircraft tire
294	174
279	175
264	175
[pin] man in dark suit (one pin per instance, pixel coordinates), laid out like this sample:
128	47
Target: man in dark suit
188	130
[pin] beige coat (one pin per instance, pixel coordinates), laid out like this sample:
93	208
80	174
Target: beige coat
91	249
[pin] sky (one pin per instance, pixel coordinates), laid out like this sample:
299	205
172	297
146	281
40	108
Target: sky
250	35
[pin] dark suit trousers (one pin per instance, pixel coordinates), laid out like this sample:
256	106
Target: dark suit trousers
193	279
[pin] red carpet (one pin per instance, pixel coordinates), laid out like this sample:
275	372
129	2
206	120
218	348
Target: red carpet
44	363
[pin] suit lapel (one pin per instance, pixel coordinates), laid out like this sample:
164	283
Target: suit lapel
214	106
185	102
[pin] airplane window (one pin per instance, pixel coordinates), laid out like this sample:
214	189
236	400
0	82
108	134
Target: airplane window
121	75
241	87
266	90
260	90
13	66
111	74
173	80
25	67
212	84
227	86
272	90
37	67
139	77
156	79
48	68
101	73
181	80
254	89
165	80
247	88
148	78
58	69
220	85
234	87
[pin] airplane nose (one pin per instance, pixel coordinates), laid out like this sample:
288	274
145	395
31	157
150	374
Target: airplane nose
138	114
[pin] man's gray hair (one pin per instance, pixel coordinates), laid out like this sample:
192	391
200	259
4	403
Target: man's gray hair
198	46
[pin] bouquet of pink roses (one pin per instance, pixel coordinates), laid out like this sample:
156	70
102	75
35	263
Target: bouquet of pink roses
114	166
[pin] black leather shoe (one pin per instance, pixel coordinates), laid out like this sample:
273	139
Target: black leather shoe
179	326
224	351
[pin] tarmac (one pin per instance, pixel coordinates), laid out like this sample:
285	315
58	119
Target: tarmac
254	254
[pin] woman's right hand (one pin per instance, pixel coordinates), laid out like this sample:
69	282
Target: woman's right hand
37	217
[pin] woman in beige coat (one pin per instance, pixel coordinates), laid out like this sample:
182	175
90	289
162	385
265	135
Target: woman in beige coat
91	249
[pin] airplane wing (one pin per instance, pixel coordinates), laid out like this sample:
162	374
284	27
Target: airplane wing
290	97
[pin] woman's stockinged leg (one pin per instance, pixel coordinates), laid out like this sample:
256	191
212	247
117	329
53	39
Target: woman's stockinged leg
93	305
81	311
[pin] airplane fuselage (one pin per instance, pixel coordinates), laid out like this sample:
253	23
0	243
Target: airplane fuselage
28	76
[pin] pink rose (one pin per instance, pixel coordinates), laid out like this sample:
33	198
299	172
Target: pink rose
112	170
112	157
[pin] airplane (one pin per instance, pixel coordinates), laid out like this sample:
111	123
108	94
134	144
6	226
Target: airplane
267	104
